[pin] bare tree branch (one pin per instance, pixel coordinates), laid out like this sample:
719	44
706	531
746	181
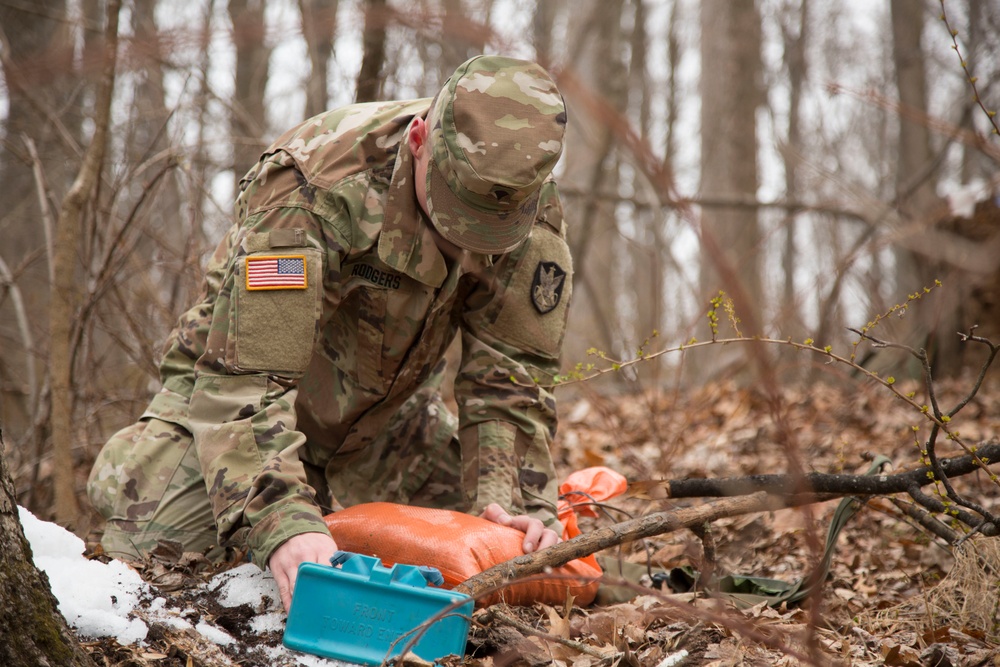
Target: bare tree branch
610	536
818	483
24	327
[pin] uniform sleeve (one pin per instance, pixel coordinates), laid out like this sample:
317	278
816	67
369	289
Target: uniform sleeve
260	339
510	348
186	342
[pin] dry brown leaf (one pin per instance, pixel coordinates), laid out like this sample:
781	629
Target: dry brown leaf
897	655
670	554
560	654
558	626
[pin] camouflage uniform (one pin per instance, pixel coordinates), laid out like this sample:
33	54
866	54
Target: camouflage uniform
314	359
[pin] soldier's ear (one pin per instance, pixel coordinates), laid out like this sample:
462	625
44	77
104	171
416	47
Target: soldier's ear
416	136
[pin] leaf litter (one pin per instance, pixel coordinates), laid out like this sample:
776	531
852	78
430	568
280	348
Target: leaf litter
894	595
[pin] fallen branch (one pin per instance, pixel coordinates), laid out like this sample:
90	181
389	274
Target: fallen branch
787	485
627	531
751	494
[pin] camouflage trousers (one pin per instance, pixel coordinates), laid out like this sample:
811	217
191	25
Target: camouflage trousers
148	484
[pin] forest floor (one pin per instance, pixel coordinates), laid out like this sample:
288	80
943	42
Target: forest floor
894	595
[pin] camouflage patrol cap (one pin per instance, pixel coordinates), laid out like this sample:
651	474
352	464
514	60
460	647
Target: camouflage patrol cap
496	132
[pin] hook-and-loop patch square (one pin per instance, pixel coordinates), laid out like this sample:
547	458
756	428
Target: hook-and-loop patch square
271	272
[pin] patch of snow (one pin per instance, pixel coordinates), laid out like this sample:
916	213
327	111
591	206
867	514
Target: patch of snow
111	599
280	655
246	584
97	599
272	622
214	634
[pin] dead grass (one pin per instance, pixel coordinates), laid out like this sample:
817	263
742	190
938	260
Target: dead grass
966	600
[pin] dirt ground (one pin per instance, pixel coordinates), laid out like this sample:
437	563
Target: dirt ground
894	594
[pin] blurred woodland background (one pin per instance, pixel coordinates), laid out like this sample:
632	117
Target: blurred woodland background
820	162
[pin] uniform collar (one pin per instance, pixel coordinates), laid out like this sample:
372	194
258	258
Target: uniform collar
406	242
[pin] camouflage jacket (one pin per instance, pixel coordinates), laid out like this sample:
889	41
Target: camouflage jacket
264	372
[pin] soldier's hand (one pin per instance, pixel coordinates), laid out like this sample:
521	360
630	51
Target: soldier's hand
304	548
536	535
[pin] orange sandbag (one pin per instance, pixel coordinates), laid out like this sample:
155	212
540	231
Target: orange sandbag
578	493
583	488
459	545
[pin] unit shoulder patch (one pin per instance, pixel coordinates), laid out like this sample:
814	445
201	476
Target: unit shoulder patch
547	286
271	272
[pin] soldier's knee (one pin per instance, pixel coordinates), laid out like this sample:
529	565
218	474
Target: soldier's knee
103	482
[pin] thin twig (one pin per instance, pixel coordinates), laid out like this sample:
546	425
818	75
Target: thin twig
494	614
994	349
926	521
990	115
24	327
704	533
990	528
41	189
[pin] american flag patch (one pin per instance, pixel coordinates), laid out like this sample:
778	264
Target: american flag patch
284	272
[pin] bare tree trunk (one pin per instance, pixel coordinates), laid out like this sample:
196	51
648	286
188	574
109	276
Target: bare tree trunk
248	118
63	301
730	96
34	632
931	324
39	138
370	78
914	147
595	56
671	276
650	254
542	22
155	255
980	51
795	40
185	283
147	129
461	37
319	28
